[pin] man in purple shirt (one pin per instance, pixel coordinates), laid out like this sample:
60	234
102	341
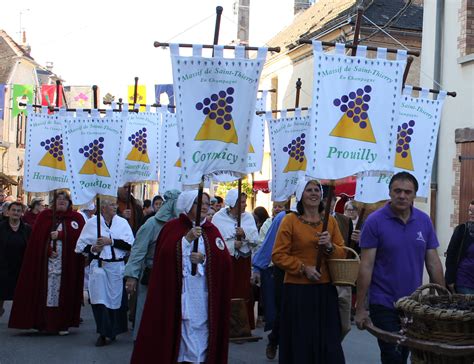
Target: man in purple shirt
396	242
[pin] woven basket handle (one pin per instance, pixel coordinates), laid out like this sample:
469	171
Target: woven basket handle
352	251
418	292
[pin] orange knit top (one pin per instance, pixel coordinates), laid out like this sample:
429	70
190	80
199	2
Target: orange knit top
297	244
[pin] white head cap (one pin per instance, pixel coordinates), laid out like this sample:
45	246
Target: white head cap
232	197
185	201
301	185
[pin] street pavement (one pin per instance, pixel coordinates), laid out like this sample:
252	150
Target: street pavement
20	347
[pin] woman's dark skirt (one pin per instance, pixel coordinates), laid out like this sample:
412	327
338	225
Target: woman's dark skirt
110	322
310	329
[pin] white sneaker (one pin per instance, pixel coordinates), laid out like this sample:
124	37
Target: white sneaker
63	333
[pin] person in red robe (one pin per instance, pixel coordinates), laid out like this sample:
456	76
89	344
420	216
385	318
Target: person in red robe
174	327
49	291
35	207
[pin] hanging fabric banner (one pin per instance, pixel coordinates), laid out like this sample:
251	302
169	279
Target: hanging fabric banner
141	96
78	97
2	100
141	150
257	137
170	161
288	143
165	89
257	140
215	108
94	146
415	146
21	94
48	95
45	161
355	111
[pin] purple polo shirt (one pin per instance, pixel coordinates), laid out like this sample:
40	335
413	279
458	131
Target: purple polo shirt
401	250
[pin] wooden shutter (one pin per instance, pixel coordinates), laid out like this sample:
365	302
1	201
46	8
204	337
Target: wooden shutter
466	194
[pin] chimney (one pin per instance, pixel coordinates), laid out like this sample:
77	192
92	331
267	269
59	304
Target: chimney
301	5
26	47
243	21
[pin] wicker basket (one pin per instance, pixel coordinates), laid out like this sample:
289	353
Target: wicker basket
423	321
344	271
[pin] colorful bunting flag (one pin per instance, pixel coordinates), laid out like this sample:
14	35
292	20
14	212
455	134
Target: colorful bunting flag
141	96
22	94
79	97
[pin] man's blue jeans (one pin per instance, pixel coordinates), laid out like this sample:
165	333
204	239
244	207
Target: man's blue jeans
388	319
464	290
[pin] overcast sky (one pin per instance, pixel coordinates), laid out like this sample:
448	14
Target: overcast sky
108	43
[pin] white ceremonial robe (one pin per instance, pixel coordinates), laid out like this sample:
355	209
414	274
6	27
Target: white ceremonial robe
106	282
54	274
227	224
194	308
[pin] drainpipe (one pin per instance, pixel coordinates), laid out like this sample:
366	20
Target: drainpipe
437	78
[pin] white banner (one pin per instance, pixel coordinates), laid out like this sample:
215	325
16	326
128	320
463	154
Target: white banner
170	161
415	146
256	146
288	142
355	111
215	100
141	148
257	137
94	146
45	161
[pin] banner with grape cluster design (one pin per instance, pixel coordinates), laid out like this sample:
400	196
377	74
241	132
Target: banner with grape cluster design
257	136
94	146
45	161
288	144
256	146
141	150
415	146
170	160
215	100
355	111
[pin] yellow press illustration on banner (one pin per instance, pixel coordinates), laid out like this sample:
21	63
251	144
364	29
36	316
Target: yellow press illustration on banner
54	157
95	163
218	124
139	152
295	149
355	122
141	96
403	157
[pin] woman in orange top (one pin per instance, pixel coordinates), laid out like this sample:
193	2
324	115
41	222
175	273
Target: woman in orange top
310	323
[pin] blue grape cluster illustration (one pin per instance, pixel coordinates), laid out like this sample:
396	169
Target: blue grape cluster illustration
295	149
218	107
404	133
54	146
355	105
138	140
94	151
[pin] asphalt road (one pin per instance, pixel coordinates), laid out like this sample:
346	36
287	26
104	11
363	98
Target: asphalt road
20	347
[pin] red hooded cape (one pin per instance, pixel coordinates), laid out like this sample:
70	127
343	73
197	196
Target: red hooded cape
29	309
160	329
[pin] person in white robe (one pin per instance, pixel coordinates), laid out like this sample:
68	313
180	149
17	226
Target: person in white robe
107	263
239	242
